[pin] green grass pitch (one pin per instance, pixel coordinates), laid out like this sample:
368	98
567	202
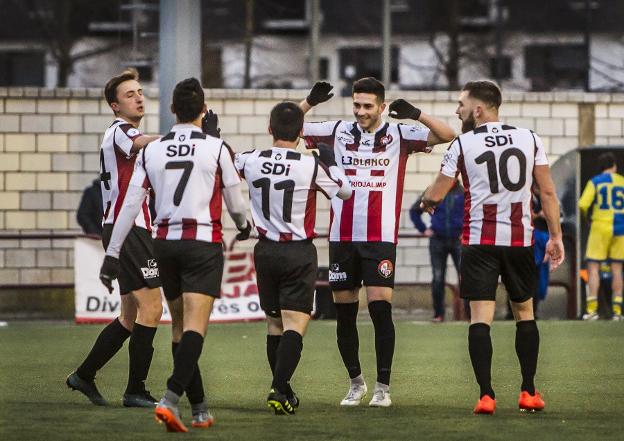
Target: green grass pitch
580	372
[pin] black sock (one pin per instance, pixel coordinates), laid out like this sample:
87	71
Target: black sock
140	352
381	314
185	361
272	343
195	389
347	336
480	348
108	343
527	348
288	356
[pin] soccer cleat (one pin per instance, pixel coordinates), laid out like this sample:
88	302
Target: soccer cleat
591	316
279	403
87	388
202	418
143	399
381	398
293	399
168	413
530	403
486	405
356	393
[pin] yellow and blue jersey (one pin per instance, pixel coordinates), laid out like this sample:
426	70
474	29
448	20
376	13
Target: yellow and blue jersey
605	192
604	195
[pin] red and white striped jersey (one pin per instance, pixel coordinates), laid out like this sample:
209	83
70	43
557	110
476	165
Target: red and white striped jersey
375	164
116	166
187	171
282	188
496	163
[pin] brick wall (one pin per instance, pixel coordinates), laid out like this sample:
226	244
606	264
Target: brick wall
49	141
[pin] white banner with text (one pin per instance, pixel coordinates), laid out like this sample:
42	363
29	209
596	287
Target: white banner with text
239	293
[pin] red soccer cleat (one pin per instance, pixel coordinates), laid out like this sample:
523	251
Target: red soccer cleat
530	403
486	405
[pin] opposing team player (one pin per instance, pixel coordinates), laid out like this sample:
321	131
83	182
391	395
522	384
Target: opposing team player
364	228
189	173
498	164
282	187
139	284
603	194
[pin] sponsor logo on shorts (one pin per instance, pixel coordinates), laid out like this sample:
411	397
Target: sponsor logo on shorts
335	275
385	268
151	272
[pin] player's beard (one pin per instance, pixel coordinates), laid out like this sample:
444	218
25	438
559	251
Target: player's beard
468	124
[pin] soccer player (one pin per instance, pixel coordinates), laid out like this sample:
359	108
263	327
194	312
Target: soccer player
363	231
189	173
604	193
139	284
498	164
282	188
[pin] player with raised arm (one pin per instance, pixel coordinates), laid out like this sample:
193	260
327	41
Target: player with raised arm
139	284
189	173
364	228
282	187
498	164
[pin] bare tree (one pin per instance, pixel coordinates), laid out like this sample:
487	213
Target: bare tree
60	24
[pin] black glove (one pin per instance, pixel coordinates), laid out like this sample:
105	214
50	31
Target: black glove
401	109
244	233
319	93
326	154
210	124
109	272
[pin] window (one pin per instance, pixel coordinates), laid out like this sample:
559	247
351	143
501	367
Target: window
505	73
22	68
364	62
555	66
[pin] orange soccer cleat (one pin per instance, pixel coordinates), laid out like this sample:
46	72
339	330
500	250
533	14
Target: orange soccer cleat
530	403
171	418
486	405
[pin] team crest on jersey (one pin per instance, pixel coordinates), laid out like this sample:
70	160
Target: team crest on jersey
133	132
385	140
385	268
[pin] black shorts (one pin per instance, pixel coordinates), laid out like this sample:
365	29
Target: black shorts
136	259
351	263
481	265
286	275
189	266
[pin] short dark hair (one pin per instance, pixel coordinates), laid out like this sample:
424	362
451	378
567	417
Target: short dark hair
110	89
606	160
188	100
286	121
370	85
485	91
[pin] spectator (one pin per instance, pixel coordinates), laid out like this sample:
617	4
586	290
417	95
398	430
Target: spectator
444	239
90	212
540	237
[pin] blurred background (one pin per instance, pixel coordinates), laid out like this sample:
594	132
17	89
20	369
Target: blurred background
560	64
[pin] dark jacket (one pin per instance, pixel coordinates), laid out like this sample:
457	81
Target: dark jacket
448	217
90	211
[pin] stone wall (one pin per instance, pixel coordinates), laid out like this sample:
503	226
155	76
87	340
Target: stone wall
49	141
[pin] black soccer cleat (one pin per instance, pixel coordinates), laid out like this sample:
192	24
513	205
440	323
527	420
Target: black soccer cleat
87	388
279	403
293	399
143	399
